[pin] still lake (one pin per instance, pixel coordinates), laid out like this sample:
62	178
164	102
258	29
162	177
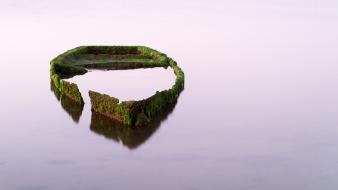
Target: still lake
258	112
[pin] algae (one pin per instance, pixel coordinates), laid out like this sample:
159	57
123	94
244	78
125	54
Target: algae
73	108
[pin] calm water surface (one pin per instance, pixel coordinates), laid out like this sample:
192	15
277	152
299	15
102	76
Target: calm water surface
258	112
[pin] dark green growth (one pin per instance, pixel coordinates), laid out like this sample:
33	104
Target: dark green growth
132	113
63	87
73	108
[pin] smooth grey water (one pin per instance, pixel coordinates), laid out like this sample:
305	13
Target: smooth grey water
258	112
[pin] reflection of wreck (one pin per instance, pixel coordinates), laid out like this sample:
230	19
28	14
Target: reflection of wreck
74	109
131	137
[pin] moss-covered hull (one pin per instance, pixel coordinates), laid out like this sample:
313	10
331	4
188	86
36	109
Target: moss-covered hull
132	113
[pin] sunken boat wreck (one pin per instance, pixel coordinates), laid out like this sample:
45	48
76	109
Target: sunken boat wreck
79	60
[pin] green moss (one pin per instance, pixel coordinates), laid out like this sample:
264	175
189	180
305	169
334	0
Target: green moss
73	108
65	88
71	91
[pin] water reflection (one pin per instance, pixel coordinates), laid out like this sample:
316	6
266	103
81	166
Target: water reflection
130	137
73	109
